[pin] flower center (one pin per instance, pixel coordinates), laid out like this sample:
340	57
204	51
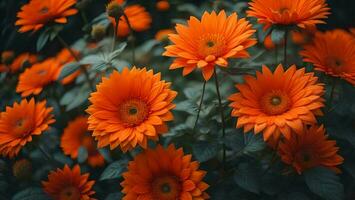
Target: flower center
275	103
166	188
306	159
42	72
133	112
335	64
44	10
21	128
69	193
283	10
211	44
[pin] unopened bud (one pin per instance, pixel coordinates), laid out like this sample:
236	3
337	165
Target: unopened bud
114	9
98	32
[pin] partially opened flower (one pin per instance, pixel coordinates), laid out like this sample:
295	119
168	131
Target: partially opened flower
38	13
21	60
332	52
277	103
310	149
64	57
289	12
210	42
19	123
35	78
76	135
69	184
138	18
164	174
136	112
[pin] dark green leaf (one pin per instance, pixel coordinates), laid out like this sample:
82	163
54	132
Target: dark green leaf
32	193
114	196
247	177
118	51
325	183
82	154
42	40
253	143
114	170
204	150
68	69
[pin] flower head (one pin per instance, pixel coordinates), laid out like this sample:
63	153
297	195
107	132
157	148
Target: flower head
138	18
310	149
38	13
7	57
277	103
209	42
163	5
138	111
22	121
332	52
21	60
289	12
68	184
164	174
33	79
76	135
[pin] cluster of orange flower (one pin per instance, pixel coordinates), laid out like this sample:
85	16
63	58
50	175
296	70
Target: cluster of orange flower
282	104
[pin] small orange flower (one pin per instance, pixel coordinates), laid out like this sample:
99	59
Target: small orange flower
64	57
21	60
209	42
304	36
163	5
76	135
138	18
7	57
69	184
164	174
333	53
19	123
38	13
289	12
268	43
277	103
138	112
163	34
310	149
33	79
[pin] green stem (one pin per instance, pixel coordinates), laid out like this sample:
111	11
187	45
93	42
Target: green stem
132	39
332	91
222	116
200	105
285	48
115	31
83	69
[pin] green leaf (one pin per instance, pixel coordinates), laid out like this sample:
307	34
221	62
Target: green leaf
68	69
91	60
42	40
277	35
118	51
114	170
75	97
82	154
247	177
204	150
32	193
325	183
253	143
114	196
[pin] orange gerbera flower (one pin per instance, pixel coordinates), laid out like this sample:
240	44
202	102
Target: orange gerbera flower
20	122
164	174
138	18
37	13
209	42
64	57
69	184
137	112
162	5
333	53
310	149
33	79
163	34
302	13
21	60
76	135
277	103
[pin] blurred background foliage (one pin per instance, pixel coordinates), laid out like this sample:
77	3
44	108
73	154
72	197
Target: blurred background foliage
250	174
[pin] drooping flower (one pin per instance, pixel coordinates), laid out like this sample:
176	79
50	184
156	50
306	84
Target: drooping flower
164	174
64	57
301	13
277	103
163	34
138	111
310	149
332	52
33	79
38	13
20	122
76	135
209	42
138	18
21	60
69	184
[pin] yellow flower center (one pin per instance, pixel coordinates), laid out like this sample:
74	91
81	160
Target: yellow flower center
133	112
69	193
211	44
275	103
166	188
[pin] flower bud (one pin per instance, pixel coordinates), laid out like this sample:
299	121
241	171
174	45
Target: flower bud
98	32
7	57
114	9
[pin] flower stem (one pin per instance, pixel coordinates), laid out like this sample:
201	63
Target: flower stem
332	92
222	116
115	31
132	39
285	47
200	106
83	69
